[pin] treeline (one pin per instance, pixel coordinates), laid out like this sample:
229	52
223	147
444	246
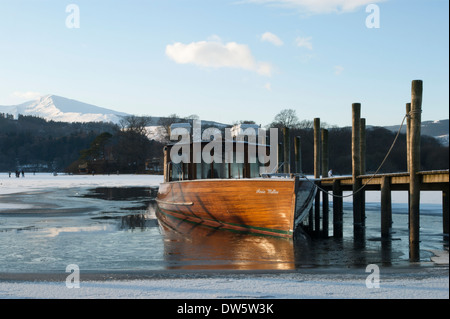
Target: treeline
36	144
434	156
127	150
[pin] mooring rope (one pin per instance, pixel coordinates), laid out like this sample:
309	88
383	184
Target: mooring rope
407	115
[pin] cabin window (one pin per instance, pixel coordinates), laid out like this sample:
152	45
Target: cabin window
206	170
225	170
200	174
213	170
220	170
229	168
176	171
254	165
236	170
185	171
254	170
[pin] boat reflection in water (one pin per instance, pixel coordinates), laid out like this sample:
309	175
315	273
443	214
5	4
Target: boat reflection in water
193	246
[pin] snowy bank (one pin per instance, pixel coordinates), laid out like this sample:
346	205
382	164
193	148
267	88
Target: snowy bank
39	181
269	286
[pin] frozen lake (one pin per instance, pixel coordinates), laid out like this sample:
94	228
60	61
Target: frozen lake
107	223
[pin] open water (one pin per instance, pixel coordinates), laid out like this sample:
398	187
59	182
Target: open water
115	229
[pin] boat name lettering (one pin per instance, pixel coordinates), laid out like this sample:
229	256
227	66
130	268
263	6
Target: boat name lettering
266	191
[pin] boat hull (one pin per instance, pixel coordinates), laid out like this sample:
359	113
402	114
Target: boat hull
262	206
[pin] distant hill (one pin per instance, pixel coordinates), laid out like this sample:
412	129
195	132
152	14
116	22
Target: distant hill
61	109
438	129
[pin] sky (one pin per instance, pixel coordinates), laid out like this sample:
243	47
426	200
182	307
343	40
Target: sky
230	60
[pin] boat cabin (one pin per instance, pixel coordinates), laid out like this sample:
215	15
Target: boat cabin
236	156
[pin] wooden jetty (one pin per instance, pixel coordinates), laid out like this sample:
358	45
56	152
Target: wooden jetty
414	181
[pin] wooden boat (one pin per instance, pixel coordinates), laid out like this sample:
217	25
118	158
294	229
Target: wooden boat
232	196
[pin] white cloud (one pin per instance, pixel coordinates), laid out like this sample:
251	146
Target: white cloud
272	38
215	54
268	86
304	42
320	6
26	95
338	69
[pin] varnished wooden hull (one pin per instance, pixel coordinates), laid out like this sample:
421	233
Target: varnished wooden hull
261	206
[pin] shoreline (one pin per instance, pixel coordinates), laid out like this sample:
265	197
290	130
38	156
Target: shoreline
399	282
437	266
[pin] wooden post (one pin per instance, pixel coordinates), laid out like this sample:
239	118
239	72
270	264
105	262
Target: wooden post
386	207
298	155
325	210
316	148
445	208
317	174
408	147
317	210
356	163
414	179
362	146
408	135
324	152
337	209
287	150
362	157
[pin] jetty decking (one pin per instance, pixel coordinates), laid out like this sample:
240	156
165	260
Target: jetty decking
386	183
414	181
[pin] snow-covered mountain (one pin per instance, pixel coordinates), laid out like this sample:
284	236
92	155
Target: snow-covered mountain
438	129
61	109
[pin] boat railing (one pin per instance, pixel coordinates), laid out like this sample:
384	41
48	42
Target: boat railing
270	175
277	168
284	175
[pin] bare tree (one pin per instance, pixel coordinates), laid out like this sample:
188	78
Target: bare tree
165	123
135	124
134	145
306	124
286	118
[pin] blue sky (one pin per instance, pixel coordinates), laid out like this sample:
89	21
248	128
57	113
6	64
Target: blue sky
230	60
